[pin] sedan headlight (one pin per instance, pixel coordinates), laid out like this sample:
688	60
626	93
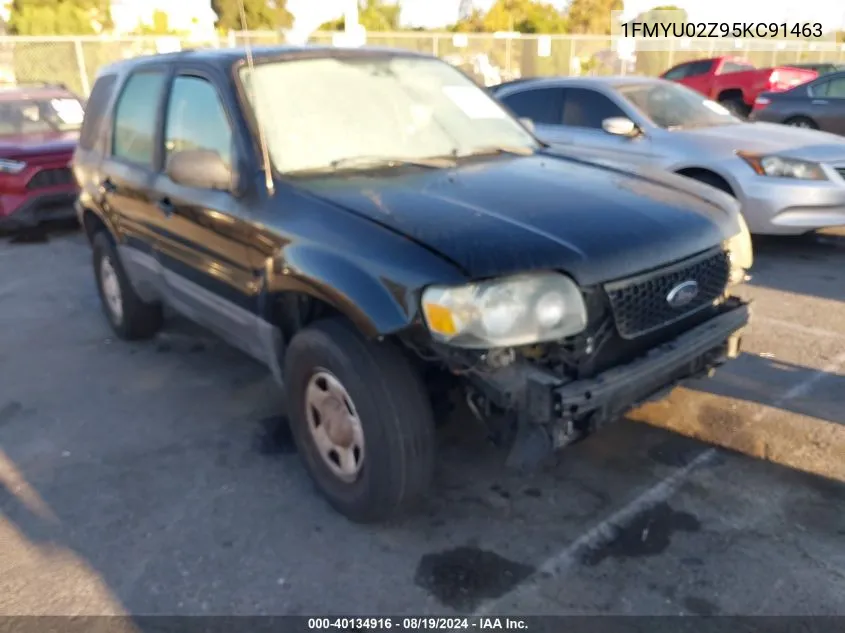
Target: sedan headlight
11	166
740	252
782	167
519	310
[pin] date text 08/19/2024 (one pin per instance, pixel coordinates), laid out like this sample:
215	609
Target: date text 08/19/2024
744	30
417	624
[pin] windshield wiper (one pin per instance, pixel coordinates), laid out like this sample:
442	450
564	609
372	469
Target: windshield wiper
492	150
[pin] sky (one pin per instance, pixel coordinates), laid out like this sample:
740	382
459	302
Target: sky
435	13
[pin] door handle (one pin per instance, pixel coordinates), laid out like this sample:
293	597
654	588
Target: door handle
107	186
166	206
819	102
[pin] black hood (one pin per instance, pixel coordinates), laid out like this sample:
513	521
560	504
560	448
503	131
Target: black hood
511	214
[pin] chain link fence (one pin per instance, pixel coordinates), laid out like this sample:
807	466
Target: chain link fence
74	61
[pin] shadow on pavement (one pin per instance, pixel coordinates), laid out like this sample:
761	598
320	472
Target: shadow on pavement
811	265
765	380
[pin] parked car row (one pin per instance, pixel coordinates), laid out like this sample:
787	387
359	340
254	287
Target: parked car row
809	95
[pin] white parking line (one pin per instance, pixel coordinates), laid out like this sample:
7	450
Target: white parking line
604	532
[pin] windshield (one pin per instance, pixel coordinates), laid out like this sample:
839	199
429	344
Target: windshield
672	106
40	116
328	112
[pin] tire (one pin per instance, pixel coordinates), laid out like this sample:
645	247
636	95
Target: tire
388	399
135	318
801	121
736	106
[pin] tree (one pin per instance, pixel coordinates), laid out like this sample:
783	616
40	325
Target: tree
160	25
591	16
58	17
373	15
473	22
261	15
653	62
524	16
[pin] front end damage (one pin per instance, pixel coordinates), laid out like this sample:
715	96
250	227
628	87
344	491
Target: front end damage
536	409
636	348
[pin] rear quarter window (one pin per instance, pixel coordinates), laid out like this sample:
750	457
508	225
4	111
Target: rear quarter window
96	109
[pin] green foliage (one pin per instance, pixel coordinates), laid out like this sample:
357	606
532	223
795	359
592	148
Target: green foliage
650	62
261	15
160	26
373	15
523	16
591	16
58	17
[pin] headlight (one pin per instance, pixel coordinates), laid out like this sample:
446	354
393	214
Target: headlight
11	166
518	310
781	167
741	253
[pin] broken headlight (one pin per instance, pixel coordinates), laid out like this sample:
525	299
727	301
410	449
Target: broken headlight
506	312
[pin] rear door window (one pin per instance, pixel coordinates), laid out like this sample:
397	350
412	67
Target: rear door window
733	67
136	118
588	108
99	100
541	105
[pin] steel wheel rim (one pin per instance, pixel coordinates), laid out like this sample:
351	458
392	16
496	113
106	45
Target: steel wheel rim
110	284
334	425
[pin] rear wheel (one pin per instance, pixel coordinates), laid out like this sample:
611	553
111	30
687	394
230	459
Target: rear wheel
361	419
130	317
801	121
736	106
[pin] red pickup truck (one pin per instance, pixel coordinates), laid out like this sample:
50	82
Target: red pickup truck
734	82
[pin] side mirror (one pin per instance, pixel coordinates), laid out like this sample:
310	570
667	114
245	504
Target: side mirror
200	168
528	123
620	126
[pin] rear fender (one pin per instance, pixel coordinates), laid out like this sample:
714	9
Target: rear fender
377	305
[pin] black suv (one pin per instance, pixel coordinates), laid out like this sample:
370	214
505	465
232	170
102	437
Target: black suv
382	234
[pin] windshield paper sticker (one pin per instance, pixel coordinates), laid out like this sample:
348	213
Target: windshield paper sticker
69	110
474	103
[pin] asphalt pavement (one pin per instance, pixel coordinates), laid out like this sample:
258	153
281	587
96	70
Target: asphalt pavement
146	478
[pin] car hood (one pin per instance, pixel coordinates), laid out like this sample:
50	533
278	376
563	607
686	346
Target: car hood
768	138
35	144
513	214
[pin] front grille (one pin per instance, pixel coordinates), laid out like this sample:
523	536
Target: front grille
51	178
640	304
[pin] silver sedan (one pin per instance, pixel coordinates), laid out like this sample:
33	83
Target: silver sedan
788	180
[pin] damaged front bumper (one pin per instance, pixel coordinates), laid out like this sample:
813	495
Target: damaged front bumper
565	410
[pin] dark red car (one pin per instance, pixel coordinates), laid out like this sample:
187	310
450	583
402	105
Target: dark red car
39	127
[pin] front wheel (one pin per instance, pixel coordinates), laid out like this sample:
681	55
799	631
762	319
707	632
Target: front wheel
736	106
130	317
361	419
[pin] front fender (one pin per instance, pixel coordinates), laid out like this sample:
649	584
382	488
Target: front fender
377	305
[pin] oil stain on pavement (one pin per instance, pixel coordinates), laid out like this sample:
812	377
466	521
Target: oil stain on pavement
649	534
464	577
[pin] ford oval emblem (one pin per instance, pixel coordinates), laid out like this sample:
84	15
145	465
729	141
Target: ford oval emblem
682	294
